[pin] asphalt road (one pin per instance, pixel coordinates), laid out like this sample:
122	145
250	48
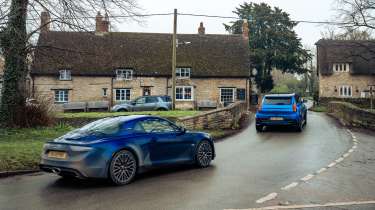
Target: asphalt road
248	166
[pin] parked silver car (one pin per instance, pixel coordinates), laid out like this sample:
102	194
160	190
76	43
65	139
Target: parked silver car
145	103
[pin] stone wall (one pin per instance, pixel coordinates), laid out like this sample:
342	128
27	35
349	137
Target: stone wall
223	118
85	89
352	115
360	102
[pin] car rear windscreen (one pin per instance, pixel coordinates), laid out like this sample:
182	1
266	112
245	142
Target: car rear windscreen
278	100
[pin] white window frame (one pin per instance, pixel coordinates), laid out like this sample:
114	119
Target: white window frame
233	94
65	75
344	91
183	72
122	96
124	74
341	67
62	96
183	93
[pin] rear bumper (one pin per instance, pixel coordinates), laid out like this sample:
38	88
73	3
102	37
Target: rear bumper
62	171
90	163
288	119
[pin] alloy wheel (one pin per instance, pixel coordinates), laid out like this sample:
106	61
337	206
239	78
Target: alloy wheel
123	168
204	154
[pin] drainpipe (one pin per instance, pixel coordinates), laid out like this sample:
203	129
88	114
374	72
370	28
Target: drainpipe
111	102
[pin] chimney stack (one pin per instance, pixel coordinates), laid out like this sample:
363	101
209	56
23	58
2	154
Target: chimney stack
201	29
245	29
101	25
45	21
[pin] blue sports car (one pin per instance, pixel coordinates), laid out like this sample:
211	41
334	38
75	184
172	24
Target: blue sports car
118	148
281	109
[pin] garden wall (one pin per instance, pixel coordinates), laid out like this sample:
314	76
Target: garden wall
352	115
361	102
223	118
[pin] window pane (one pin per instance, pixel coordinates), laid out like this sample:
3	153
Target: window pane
226	95
349	91
179	94
187	94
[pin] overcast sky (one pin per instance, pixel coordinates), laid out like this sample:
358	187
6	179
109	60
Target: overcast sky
315	10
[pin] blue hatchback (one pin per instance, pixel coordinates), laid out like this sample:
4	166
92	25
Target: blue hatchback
281	109
120	147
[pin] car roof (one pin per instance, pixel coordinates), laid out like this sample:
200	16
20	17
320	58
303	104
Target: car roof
280	95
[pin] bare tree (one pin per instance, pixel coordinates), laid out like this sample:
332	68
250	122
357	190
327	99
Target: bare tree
346	33
357	13
20	22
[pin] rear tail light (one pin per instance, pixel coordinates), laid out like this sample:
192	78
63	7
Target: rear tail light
294	107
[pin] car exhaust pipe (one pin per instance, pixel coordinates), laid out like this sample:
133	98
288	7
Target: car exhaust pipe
56	170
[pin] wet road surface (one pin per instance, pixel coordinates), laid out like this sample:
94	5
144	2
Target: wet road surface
248	166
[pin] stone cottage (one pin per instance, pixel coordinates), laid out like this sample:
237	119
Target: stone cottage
121	66
346	68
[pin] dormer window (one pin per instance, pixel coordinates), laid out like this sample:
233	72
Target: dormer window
65	75
341	67
124	74
183	73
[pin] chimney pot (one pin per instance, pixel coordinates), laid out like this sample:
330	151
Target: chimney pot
245	29
201	29
45	21
102	25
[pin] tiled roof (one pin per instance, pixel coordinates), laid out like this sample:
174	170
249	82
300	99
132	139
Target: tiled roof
149	54
360	54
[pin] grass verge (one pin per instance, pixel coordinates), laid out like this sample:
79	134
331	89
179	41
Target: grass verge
318	109
20	149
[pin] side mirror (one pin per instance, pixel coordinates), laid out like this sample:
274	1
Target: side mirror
133	103
182	130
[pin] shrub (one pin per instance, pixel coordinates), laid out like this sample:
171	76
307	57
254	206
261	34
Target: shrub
39	112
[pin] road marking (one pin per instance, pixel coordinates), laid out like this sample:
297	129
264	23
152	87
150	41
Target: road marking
331	165
321	170
312	205
351	150
354	147
307	178
339	160
290	186
267	198
346	155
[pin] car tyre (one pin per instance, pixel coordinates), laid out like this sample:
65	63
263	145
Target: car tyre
162	109
123	168
122	110
299	127
259	128
204	154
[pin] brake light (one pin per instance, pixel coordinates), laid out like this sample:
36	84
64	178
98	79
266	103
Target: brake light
294	107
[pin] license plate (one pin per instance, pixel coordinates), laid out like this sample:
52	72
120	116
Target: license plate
57	154
276	118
